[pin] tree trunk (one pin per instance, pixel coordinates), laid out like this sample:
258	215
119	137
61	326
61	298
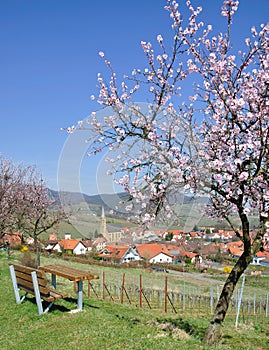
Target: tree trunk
213	332
37	251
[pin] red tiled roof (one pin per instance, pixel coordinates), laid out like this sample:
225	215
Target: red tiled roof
236	244
115	252
150	250
263	254
12	237
99	240
69	244
87	243
235	251
187	254
175	232
193	234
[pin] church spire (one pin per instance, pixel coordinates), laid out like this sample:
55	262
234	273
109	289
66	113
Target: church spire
103	228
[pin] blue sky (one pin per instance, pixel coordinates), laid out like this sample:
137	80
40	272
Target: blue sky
49	63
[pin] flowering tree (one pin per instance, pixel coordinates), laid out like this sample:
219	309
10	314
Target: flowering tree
11	178
36	212
25	202
215	142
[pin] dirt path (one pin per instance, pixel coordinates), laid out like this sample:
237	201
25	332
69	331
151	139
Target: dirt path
204	279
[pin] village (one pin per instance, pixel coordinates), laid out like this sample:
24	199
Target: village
200	248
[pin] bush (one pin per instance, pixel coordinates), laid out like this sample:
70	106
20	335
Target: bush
188	261
24	249
227	269
28	260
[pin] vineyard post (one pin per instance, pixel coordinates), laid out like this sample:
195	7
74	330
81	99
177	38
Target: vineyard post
184	296
165	294
103	285
122	288
160	299
266	308
119	287
89	288
239	301
140	291
211	298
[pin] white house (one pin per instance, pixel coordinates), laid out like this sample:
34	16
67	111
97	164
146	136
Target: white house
131	255
99	243
55	247
120	254
80	249
161	258
257	260
73	246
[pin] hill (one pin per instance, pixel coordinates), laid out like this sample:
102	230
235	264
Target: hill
94	202
86	212
112	201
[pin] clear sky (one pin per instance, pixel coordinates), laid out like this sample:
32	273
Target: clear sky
49	63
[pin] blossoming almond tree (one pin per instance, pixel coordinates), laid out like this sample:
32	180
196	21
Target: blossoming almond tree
25	202
36	210
215	142
11	178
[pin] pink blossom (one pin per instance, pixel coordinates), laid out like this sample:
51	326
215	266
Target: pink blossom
243	176
246	211
159	38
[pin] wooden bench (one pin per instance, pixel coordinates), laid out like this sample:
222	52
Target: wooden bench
33	281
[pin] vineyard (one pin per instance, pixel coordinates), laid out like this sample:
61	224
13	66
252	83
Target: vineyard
161	293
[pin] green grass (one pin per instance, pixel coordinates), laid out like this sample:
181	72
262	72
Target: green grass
106	325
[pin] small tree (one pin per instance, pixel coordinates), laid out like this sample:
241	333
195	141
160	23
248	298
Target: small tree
195	228
208	231
214	143
169	236
25	202
37	212
12	178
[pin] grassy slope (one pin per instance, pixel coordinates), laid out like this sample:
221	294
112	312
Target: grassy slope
106	325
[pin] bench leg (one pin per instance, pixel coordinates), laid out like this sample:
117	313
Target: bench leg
48	308
15	285
37	293
37	296
53	281
80	295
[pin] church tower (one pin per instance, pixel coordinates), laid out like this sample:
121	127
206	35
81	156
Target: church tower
109	236
103	228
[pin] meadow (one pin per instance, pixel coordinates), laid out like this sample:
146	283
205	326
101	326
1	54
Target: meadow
104	324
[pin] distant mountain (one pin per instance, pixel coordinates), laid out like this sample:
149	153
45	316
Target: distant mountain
108	201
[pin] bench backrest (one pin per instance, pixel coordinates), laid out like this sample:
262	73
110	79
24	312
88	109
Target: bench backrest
25	281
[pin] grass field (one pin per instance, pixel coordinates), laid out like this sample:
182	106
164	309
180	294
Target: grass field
106	325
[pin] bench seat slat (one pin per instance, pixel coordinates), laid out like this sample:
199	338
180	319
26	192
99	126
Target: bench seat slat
57	295
27	287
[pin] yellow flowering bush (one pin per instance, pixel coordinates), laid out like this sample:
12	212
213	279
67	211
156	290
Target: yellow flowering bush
227	269
24	249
